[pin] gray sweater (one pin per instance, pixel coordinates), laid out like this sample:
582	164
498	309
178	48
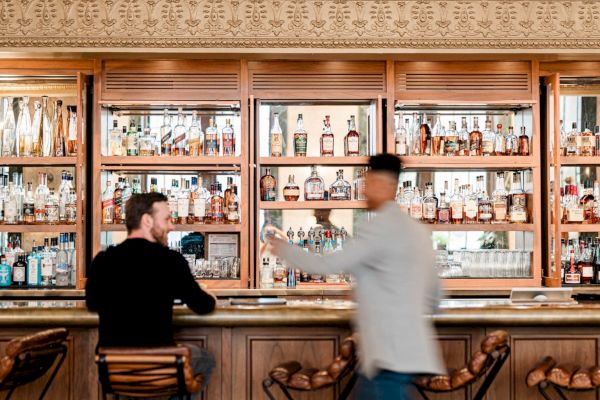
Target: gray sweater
392	259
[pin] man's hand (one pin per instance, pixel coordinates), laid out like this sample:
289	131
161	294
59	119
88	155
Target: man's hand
205	289
275	239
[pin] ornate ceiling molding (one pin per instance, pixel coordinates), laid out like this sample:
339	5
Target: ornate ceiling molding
335	24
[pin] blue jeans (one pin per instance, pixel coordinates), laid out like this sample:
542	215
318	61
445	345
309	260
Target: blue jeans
386	385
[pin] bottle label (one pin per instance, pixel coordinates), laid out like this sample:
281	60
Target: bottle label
451	145
183	208
145	147
327	142
572	278
500	211
518	216
587	271
485	216
132	145
5	278
166	138
10	212
276	144
457	209
62	267
179	139
487	146
300	144
52	212
400	146
211	147
228	146
471	209
404	208
291	192
588	141
33	273
443	215
173	208
216	211
233	212
352	142
429	210
199	208
19	273
46	267
575	214
416	211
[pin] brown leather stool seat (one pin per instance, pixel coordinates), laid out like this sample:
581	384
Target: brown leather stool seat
565	376
486	362
30	357
291	374
147	372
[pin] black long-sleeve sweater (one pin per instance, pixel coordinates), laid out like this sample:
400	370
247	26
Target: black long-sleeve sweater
132	286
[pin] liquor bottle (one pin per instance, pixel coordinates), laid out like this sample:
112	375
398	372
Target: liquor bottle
73	260
71	207
196	137
276	137
268	186
402	200
47	145
499	200
118	202
401	138
597	140
314	187
115	140
9	128
202	198
108	216
132	140
470	206
596	204
58	132
41	192
29	205
153	185
228	139
438	138
23	129
62	263
518	201
524	143
488	139
36	129
485	209
352	139
19	272
360	185
475	138
5	272
34	273
415	136
63	195
451	140
425	137
587	143
46	265
586	265
179	135
327	138
211	140
416	205
587	201
146	141
217	206
51	208
300	138
463	138
10	205
172	200
456	204
166	134
596	255
444	213
183	202
572	141
233	207
266	275
340	189
512	142
72	131
228	192
500	141
291	191
430	205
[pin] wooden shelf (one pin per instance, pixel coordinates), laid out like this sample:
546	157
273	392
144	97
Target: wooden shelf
310	205
225	228
579	227
220	283
481	227
579	160
39	228
492	283
169	160
38	161
496	162
361	160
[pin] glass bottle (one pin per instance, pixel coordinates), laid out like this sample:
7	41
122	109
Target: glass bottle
360	186
107	204
500	141
572	141
5	272
29	205
233	207
51	208
183	202
276	137
179	135
172	197
58	132
485	211
146	141
118	202
437	137
340	189
327	138
72	131
314	187
456	204
211	140
587	143
217	207
36	129
9	128
166	134
41	192
488	139
71	207
352	139
115	140
19	272
463	138
63	196
499	200
401	138
451	142
62	262
291	191
268	186
518	201
416	205
10	205
444	212
228	139
512	142
133	145
24	128
475	138
300	138
430	204
46	126
415	136
425	137
34	273
126	193
470	206
196	137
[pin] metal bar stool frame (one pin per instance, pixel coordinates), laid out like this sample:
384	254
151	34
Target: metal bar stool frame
51	353
545	385
104	377
498	360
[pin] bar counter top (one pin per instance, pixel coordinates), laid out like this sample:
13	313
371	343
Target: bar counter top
490	312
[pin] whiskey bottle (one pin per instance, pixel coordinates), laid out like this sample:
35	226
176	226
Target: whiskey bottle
425	137
183	202
438	138
36	129
132	140
484	209
211	140
499	200
23	129
115	140
518	201
291	191
172	197
470	206
360	186
430	205
72	131
352	139
500	142
451	141
572	276
179	135
475	139
276	137
58	132
314	187
117	202
327	138
268	186
463	138
456	204
146	141
487	140
524	143
196	137
300	138
444	212
9	128
228	139
512	143
587	143
340	189
572	141
202	198
166	134
233	207
217	206
416	205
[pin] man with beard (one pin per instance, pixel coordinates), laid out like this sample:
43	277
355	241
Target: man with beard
133	285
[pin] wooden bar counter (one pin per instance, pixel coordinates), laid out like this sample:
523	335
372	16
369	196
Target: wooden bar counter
248	340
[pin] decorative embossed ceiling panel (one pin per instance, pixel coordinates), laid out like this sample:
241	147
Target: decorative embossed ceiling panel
497	24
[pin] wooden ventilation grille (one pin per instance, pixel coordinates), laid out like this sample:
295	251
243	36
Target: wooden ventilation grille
466	82
318	82
172	81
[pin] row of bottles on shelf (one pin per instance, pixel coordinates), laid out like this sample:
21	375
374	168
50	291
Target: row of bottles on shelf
575	209
51	265
417	138
179	139
20	205
44	136
465	205
314	187
326	141
274	273
578	143
580	261
191	203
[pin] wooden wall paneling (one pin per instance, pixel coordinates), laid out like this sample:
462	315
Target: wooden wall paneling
80	175
45	66
390	134
227	381
246	273
536	208
570	68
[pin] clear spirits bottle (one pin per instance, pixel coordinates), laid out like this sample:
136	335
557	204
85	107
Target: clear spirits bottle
340	189
587	143
524	143
463	138
488	139
430	204
72	131
475	138
572	141
327	138
62	263
217	206
211	140
34	275
276	137
314	187
132	140
63	196
36	129
10	205
172	199
115	140
291	191
437	137
401	138
360	186
183	202
416	205
24	128
228	139
58	131
451	142
179	135
415	136
499	200
202	198
146	141
51	208
268	186
47	144
9	128
470	206
500	141
512	142
29	205
352	139
300	138
518	201
456	204
71	207
196	137
166	134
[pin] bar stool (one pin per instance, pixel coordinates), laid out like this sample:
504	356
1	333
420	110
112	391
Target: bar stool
147	372
548	374
30	357
487	362
291	374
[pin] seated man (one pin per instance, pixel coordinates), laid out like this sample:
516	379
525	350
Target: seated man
132	286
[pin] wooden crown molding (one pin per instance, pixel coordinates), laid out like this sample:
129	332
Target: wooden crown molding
285	24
